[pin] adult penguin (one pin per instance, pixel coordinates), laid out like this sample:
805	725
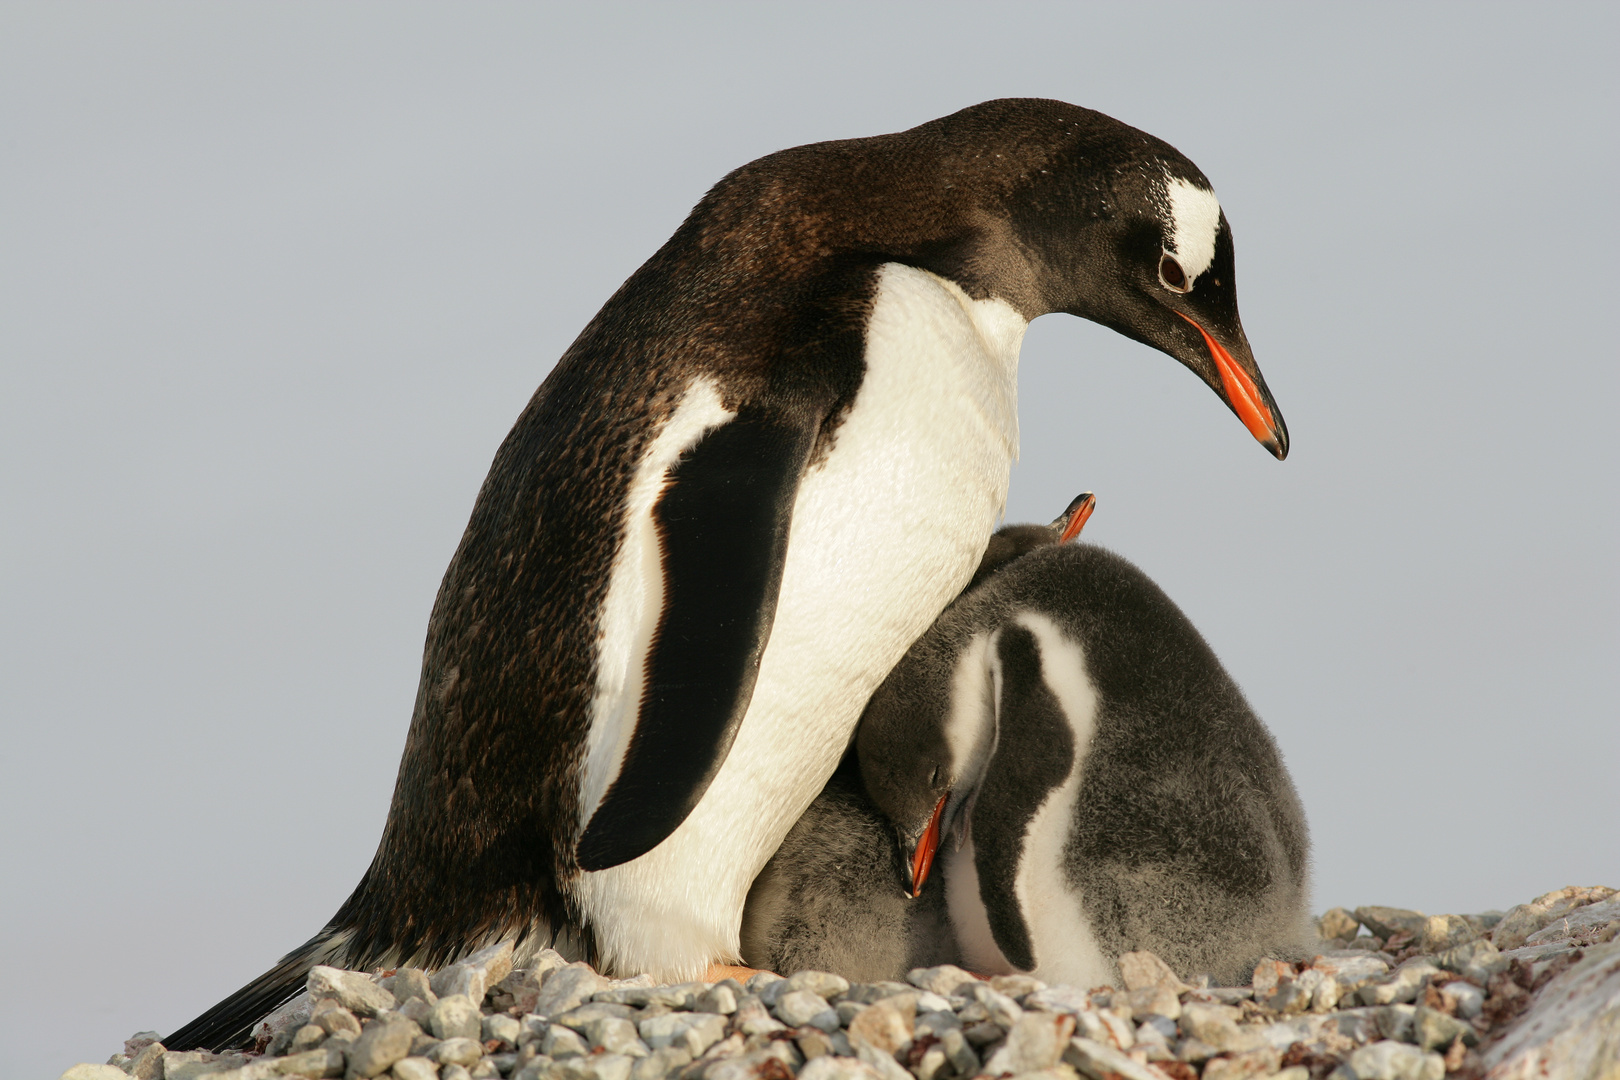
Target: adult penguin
753	480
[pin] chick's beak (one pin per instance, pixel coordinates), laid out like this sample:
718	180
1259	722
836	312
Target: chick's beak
1247	396
922	855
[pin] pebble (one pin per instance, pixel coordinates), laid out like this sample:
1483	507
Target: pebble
456	1017
820	983
351	989
1453	1003
1387	921
1440	932
474	975
1389	1060
1463	999
692	1032
383	1042
415	1068
568	988
796	1008
1338	923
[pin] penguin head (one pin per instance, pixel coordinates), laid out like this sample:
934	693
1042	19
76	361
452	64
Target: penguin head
924	744
1158	268
1103	221
1013	541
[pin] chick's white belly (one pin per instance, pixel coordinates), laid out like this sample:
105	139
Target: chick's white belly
887	528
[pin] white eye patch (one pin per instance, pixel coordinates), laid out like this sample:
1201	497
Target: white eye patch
1195	215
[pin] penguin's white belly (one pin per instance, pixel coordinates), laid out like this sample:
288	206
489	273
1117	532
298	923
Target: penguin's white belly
887	529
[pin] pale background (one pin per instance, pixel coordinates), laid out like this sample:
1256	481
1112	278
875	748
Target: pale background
276	279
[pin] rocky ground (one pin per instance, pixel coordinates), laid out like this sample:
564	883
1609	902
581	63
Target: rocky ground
1393	995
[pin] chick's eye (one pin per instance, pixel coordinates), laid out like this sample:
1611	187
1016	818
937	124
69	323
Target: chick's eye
933	777
1172	275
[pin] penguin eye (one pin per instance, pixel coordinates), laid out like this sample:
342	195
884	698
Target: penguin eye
933	777
1172	276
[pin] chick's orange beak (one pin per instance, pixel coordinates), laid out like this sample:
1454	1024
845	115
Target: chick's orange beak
922	860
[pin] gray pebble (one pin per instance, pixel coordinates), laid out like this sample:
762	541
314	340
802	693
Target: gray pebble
1386	921
660	1064
561	1041
407	983
505	1028
868	993
456	1017
458	1051
415	1068
1434	1030
796	1008
942	980
1465	999
814	1043
615	1036
1338	923
383	1042
847	1011
1395	1022
837	1068
692	1032
454	1072
752	1018
337	1020
720	999
1389	1060
984	1033
821	983
418	1011
1477	960
352	990
595	1010
1402	985
568	988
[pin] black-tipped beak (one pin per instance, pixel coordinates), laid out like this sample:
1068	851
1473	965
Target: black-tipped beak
1246	393
1072	520
920	855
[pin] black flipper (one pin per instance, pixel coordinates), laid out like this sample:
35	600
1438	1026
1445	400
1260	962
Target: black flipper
1033	756
229	1025
723	528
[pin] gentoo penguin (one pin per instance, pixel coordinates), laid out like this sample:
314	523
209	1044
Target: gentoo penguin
754	479
1103	785
831	898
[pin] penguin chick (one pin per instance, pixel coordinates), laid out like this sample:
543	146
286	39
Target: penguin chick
1105	784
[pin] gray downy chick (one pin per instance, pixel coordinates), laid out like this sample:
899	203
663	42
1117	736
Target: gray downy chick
1093	778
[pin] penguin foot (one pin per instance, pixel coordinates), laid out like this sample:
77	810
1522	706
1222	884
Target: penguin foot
717	972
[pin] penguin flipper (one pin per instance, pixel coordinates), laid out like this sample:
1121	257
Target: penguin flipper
723	530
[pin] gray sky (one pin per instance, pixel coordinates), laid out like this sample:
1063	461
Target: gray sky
276	279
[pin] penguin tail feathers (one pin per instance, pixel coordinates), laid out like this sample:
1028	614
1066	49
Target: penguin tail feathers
230	1024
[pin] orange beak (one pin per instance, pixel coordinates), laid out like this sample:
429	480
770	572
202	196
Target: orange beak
1243	394
922	860
1079	514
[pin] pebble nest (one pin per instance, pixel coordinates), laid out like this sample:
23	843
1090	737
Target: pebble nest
1393	994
